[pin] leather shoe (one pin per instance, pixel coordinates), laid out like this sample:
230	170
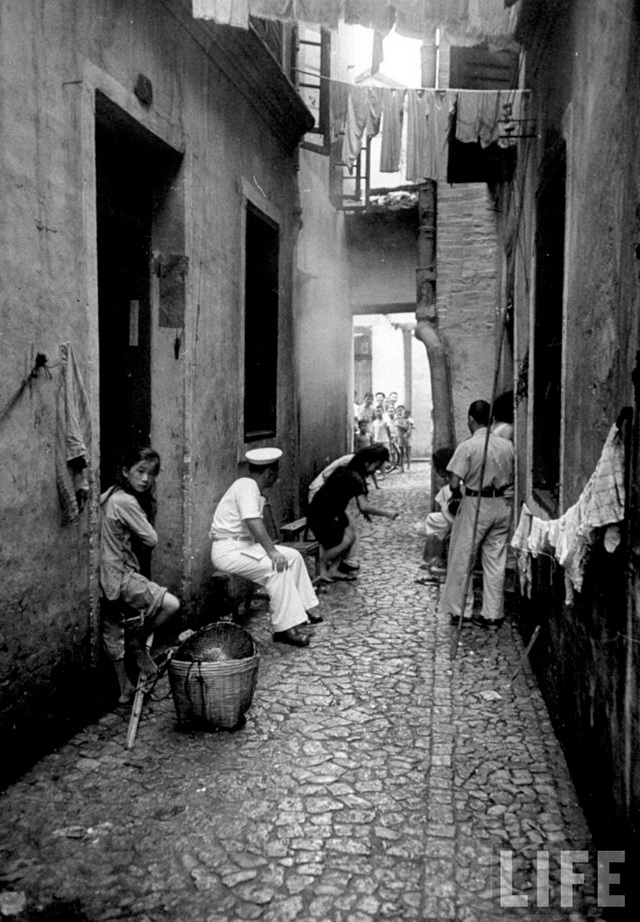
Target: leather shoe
313	618
346	566
488	625
292	636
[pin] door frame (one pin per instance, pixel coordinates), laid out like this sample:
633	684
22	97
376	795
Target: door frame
94	79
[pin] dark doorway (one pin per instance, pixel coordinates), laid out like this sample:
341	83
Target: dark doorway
134	172
124	211
261	326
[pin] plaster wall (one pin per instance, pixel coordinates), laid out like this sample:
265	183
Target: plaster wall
382	260
582	67
323	323
230	147
467	292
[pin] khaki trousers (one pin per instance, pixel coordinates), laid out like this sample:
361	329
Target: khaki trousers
492	535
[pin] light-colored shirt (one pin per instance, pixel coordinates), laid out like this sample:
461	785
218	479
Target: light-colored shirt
320	480
503	429
466	462
241	501
121	519
380	431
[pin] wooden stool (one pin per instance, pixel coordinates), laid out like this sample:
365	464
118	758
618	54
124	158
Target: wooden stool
234	590
296	535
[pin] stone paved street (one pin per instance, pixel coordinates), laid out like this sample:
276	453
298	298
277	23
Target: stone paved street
375	779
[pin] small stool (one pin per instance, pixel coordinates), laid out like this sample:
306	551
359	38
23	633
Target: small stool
296	535
234	590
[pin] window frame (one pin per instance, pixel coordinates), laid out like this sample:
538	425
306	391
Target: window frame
546	432
323	129
251	200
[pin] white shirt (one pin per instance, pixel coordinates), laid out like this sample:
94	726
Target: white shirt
241	501
321	479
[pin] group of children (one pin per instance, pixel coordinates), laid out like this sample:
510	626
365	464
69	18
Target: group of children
381	420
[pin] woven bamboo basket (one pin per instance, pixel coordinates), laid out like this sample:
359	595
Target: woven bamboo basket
213	676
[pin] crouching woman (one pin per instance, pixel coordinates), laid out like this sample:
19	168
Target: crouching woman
327	515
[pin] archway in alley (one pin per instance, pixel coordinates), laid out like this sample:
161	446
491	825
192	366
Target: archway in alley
387	357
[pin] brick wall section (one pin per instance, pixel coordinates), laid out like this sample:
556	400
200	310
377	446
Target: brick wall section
466	291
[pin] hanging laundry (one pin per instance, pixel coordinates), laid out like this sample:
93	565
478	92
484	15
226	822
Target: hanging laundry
363	118
226	12
270	9
392	111
570	538
416	136
327	12
538	542
604	495
339	106
489	116
372	14
440	109
374	111
73	437
520	544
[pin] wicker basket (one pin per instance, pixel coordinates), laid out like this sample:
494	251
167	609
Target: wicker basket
213	676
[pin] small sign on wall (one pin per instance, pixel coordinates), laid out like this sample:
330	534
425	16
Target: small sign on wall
134	322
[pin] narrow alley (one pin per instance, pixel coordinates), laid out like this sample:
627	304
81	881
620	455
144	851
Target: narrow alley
375	779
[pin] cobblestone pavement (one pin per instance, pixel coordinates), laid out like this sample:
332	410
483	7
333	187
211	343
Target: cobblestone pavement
376	778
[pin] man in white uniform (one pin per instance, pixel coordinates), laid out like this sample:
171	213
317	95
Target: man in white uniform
243	546
494	519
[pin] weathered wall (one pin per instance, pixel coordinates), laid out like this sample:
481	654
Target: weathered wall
233	136
323	322
467	292
382	259
583	71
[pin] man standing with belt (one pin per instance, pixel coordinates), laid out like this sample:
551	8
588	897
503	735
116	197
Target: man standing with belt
243	546
494	517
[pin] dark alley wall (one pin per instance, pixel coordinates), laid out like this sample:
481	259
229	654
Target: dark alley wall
582	69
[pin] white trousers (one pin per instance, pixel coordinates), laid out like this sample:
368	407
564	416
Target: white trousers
494	524
291	594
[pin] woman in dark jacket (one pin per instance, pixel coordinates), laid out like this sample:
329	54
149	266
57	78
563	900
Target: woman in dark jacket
327	516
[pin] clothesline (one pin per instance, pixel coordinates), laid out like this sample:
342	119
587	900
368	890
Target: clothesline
482	116
318	76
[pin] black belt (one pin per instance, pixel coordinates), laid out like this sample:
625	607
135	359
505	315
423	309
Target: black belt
487	492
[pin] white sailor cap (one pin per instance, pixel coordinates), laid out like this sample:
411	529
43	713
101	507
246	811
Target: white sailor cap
263	456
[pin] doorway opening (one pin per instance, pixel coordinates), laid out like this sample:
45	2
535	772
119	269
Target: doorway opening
386	358
133	173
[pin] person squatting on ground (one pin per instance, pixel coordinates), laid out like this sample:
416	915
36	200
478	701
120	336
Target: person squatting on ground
327	515
494	518
130	599
242	545
437	525
350	562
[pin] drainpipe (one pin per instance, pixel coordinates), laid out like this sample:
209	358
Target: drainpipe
427	327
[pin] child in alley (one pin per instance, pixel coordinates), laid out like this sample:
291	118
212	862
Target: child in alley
131	599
